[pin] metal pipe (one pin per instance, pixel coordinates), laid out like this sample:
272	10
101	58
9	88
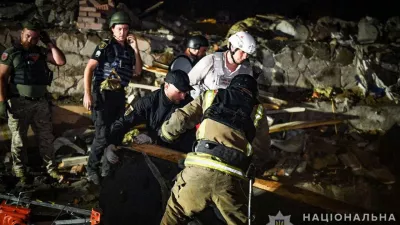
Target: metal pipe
74	221
44	204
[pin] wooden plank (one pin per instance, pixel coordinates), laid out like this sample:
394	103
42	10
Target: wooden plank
144	86
159	152
301	125
287	110
73	161
275	187
155	70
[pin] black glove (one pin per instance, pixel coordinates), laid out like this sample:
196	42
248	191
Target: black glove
3	111
45	38
110	154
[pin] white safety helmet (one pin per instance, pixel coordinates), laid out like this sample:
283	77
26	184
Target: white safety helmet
243	41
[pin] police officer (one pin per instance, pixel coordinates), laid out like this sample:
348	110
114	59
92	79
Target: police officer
25	66
154	109
233	127
196	49
113	63
217	70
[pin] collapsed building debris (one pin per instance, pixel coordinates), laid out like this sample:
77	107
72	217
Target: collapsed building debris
324	140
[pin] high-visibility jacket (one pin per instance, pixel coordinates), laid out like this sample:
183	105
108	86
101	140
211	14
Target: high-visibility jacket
210	130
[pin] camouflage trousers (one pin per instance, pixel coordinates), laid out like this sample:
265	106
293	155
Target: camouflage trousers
23	113
197	187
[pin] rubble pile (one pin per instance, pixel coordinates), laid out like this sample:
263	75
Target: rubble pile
334	69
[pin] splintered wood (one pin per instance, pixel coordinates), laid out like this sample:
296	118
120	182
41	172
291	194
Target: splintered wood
275	187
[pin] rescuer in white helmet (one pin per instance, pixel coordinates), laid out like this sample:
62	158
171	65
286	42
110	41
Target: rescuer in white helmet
216	70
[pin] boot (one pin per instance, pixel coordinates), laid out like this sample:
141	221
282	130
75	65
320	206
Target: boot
93	176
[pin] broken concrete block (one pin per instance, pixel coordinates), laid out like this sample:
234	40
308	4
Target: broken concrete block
286	27
100	20
91	43
87	9
94	14
95	26
83	13
368	31
350	160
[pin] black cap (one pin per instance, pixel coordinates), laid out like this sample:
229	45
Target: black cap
179	79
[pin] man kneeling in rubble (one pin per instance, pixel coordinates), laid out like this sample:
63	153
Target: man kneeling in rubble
233	125
153	110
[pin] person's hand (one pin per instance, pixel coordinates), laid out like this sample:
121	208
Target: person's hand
45	38
142	139
163	138
87	101
133	42
3	111
110	154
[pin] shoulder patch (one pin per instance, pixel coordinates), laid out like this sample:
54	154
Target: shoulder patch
102	45
4	56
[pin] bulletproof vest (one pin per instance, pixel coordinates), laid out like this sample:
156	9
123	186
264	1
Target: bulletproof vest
181	56
30	68
233	109
122	64
221	79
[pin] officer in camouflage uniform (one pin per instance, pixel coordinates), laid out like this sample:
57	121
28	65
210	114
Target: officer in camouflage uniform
233	133
113	63
24	77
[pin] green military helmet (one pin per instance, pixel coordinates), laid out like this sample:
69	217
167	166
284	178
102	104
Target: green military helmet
32	25
120	18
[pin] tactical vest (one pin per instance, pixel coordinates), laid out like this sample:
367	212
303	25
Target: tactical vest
123	64
222	80
233	109
30	68
224	107
181	56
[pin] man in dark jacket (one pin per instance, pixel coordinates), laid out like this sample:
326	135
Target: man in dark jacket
154	109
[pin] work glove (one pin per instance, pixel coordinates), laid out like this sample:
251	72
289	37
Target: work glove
45	38
110	154
142	139
3	111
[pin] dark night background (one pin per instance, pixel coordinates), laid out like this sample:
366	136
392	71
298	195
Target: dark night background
306	9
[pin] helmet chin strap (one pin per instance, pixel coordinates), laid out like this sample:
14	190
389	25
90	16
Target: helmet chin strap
194	56
232	53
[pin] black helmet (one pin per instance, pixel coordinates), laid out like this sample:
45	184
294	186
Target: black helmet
197	41
247	82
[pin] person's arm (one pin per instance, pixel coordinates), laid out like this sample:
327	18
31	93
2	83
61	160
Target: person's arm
261	141
99	55
54	55
138	60
200	70
124	124
182	119
5	68
87	83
